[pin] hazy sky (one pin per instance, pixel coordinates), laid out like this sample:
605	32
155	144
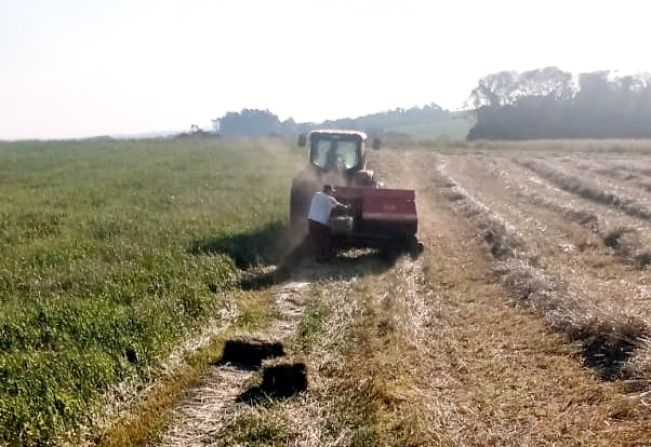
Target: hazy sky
72	68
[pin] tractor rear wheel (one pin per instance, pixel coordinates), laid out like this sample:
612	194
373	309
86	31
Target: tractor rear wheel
299	203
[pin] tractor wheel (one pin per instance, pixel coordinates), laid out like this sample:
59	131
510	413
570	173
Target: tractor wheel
298	209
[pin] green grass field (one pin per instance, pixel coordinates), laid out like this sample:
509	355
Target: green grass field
110	254
453	129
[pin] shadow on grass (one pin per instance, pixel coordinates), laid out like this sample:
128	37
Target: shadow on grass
278	382
300	266
607	346
263	245
257	251
249	353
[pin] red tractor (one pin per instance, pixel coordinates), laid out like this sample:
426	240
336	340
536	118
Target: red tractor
377	217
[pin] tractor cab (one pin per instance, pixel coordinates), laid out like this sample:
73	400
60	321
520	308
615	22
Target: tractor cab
376	217
341	151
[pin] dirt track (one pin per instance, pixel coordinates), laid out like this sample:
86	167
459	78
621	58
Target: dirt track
447	350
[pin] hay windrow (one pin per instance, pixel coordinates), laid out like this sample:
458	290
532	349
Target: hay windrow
608	336
587	190
639	369
626	173
626	242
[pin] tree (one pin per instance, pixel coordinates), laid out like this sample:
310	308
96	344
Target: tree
546	103
249	122
550	83
495	90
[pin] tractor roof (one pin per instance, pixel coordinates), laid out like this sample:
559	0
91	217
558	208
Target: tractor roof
357	133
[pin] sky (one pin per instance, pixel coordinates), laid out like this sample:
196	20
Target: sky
77	68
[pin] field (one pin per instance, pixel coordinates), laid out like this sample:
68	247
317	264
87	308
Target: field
106	262
570	233
126	265
454	128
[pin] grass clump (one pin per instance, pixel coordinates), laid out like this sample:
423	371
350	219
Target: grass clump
98	279
260	428
314	317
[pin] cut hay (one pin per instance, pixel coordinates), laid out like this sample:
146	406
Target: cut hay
619	233
587	190
608	336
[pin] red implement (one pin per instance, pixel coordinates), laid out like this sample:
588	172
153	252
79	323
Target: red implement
381	214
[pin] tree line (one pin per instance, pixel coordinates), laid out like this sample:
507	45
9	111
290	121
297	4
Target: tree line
541	103
257	123
551	103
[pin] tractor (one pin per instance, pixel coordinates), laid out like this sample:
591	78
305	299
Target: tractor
378	217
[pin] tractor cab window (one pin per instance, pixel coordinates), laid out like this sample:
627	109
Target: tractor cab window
335	153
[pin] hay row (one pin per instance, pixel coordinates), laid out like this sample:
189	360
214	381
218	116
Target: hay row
625	241
608	335
623	174
630	175
587	190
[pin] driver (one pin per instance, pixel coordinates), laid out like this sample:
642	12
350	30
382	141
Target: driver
321	207
333	160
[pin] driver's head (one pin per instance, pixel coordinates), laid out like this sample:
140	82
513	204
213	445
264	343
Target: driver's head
328	189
